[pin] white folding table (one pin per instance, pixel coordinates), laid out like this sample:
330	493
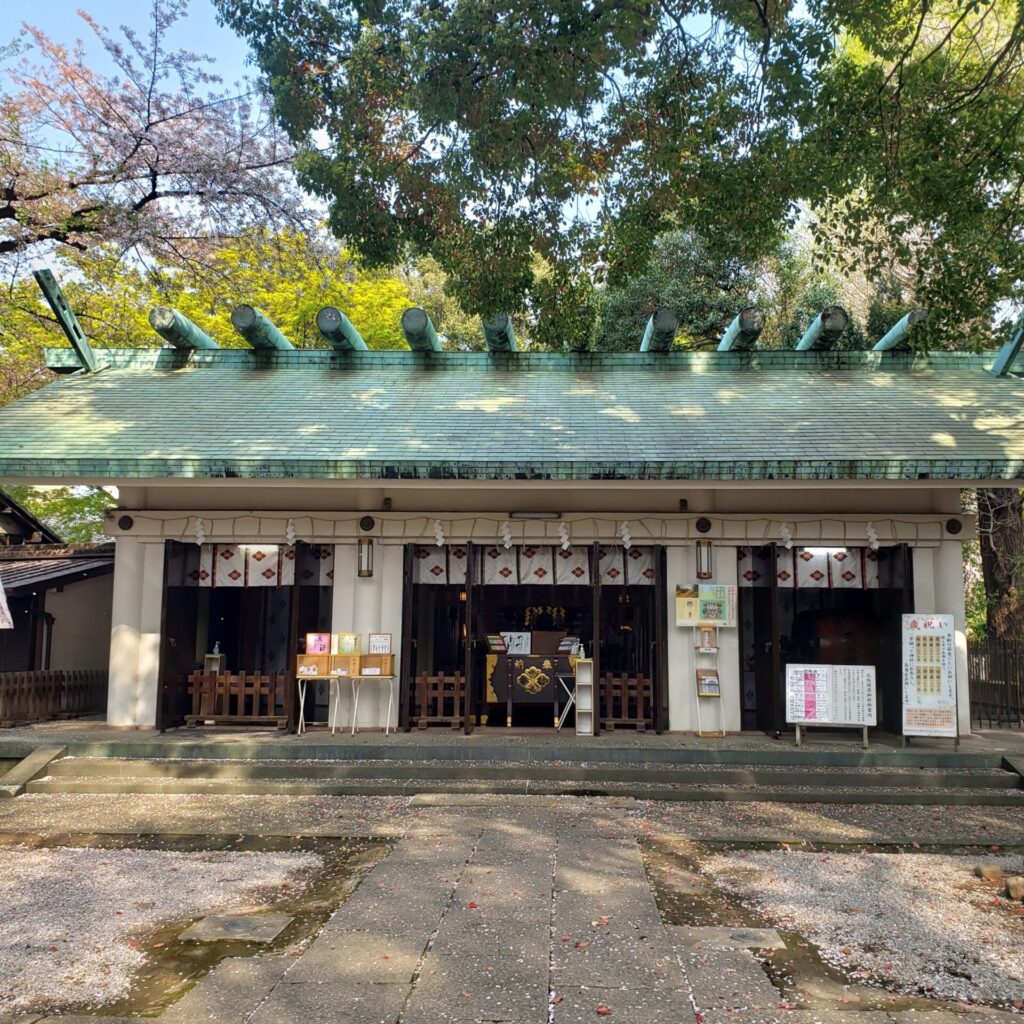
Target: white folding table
334	699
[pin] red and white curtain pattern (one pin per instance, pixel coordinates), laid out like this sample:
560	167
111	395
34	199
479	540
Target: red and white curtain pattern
250	565
534	563
850	568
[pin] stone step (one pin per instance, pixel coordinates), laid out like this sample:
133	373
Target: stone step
660	774
315	786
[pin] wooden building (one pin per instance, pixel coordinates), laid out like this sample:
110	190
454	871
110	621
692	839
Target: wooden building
444	498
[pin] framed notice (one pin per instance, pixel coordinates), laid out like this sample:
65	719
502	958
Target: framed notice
831	695
708	683
318	643
705	603
929	676
378	643
346	643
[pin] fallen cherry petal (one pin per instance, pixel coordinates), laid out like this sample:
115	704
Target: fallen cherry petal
603	1010
471	906
555	1000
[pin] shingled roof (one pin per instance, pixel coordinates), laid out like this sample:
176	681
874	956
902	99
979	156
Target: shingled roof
318	414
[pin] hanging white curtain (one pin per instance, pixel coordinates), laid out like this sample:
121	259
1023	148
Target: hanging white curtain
613	568
785	570
431	564
535	565
845	570
812	568
500	565
572	567
640	567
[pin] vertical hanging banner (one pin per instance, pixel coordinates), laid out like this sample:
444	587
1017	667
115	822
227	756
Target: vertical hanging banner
929	676
6	622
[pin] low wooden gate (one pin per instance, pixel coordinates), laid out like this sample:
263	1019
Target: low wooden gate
996	673
38	696
239	699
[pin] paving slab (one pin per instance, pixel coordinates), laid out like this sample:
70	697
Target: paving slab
331	1002
478	988
579	1005
721	978
263	926
230	991
356	957
694	937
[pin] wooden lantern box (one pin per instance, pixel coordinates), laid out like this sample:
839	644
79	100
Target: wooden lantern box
312	666
377	665
344	664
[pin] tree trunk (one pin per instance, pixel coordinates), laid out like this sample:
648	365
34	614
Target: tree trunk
1001	537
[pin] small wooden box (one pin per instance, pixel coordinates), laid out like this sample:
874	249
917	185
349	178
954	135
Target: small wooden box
344	664
377	665
311	666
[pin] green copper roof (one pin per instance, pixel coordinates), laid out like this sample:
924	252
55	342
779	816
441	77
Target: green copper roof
320	414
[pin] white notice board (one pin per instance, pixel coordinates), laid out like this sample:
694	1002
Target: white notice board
929	676
831	695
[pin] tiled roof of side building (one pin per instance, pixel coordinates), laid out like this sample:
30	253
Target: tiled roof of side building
318	414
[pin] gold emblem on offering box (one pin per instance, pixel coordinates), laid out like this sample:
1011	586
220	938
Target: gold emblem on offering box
533	680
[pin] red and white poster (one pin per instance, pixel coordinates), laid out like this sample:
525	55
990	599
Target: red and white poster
929	676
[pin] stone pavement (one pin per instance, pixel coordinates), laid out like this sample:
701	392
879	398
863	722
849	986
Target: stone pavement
525	913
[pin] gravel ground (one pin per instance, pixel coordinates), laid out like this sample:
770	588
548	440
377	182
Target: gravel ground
835	823
73	921
921	923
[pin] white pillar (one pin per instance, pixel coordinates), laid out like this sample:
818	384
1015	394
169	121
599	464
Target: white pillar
150	613
124	632
729	675
680	568
949	600
924	580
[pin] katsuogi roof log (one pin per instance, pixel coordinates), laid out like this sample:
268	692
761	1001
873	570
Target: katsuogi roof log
419	331
660	331
338	330
825	329
252	325
176	328
744	330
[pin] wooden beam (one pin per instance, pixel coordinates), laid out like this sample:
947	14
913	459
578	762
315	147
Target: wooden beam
1008	353
499	335
338	330
252	325
897	335
744	330
660	331
419	331
66	318
825	329
172	326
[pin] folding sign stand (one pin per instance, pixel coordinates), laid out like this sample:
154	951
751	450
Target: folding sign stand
709	684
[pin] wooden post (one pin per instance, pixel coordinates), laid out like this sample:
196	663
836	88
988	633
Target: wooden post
469	707
161	683
290	704
595	654
659	666
405	668
777	699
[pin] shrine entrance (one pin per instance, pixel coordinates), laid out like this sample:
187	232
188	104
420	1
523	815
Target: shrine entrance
493	633
820	606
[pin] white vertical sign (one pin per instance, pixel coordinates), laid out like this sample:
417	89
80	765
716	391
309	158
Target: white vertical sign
6	622
929	675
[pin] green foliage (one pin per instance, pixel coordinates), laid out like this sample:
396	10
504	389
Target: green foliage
491	135
74	513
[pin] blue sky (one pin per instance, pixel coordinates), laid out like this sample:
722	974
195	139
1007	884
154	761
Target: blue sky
198	31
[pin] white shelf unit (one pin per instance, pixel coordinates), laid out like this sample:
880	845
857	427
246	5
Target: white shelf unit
585	697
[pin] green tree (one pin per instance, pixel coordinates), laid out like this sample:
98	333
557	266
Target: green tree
74	513
486	134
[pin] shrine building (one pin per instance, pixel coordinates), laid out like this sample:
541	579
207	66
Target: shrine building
475	506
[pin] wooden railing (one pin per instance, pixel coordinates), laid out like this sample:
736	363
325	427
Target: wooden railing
996	673
626	700
37	696
239	699
440	700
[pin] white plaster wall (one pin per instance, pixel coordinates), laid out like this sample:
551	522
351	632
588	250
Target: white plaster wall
682	657
81	628
369	605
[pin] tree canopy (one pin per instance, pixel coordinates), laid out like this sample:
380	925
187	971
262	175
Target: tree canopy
488	134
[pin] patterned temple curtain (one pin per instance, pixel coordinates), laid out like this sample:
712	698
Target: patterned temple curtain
445	564
250	565
535	564
572	566
500	565
612	567
850	568
640	567
785	568
754	566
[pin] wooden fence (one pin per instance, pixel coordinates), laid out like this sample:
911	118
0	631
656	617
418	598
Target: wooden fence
37	696
996	673
239	699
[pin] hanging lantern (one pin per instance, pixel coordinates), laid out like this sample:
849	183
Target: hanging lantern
705	560
365	558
